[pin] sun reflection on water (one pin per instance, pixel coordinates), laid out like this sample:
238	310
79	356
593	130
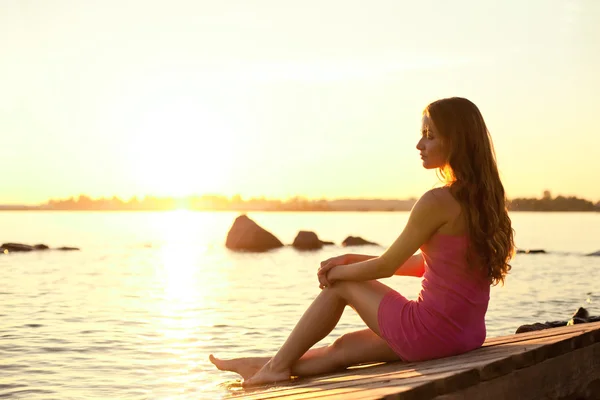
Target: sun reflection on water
187	291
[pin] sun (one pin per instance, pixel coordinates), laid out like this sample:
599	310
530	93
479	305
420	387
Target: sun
179	148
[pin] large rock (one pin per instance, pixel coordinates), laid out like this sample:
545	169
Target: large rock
20	247
594	254
245	234
16	247
306	240
356	241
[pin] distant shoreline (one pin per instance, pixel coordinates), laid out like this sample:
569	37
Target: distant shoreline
249	210
297	204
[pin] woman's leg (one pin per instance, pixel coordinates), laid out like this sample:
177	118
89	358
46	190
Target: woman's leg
350	349
318	321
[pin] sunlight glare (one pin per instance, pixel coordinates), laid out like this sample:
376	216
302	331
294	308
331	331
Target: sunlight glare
179	256
180	147
186	294
188	287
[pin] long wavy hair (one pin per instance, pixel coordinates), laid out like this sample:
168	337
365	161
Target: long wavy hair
472	175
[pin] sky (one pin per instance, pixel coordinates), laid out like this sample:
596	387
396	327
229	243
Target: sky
278	98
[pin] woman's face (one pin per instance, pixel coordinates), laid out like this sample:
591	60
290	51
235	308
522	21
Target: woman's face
430	146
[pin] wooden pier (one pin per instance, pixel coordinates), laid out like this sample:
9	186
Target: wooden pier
559	363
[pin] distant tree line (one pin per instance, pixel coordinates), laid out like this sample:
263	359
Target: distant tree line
548	203
219	202
205	202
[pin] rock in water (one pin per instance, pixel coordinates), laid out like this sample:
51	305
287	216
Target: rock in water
581	316
19	247
14	247
246	234
531	251
356	241
306	240
538	326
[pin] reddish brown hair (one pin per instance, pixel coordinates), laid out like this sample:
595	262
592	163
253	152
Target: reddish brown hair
473	178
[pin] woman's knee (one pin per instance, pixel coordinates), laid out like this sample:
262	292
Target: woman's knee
343	288
341	342
340	348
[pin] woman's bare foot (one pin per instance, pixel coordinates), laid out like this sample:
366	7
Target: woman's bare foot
245	366
267	375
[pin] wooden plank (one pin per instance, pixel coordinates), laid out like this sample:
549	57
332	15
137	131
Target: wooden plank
439	376
397	371
555	349
549	380
543	333
374	377
535	354
559	377
418	388
531	354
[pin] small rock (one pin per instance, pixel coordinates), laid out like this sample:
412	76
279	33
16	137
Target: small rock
306	240
581	316
67	248
538	326
356	241
531	251
40	247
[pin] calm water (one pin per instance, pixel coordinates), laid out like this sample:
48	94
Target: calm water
137	311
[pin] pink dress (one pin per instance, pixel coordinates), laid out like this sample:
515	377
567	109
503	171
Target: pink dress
448	318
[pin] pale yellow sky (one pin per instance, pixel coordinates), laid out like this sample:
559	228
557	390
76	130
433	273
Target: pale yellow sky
282	98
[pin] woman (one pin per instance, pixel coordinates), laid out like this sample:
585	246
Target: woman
466	241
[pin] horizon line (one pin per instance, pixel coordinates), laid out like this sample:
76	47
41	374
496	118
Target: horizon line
246	199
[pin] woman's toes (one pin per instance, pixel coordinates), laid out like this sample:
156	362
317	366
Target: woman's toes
264	377
217	362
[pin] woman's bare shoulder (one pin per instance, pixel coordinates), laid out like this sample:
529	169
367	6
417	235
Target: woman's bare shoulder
441	201
442	196
451	209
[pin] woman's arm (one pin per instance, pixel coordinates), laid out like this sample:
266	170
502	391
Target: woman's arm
414	266
344	259
354	258
426	217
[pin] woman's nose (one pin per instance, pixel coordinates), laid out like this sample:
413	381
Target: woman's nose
420	145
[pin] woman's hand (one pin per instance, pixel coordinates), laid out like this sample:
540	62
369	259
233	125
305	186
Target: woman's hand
328	265
323	281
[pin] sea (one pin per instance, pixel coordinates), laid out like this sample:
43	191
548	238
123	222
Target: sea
136	311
